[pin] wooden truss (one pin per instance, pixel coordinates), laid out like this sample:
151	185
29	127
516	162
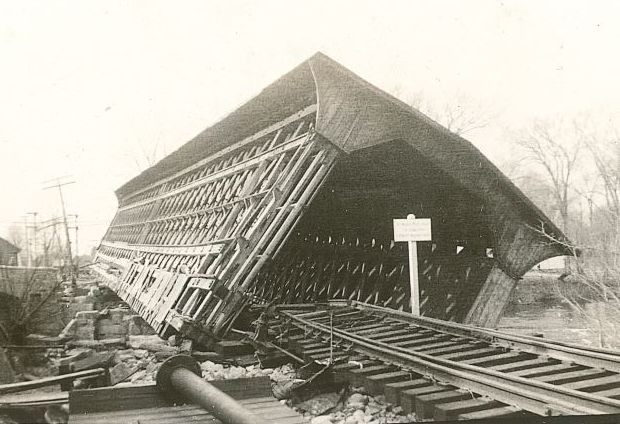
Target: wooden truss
313	268
190	245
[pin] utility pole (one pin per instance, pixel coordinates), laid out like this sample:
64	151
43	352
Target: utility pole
48	242
34	238
59	185
28	259
77	251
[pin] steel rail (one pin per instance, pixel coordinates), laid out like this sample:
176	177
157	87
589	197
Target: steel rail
531	395
595	358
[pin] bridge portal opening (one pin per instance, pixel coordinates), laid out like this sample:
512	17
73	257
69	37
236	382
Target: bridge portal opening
343	245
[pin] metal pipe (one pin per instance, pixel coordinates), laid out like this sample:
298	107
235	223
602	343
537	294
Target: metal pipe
181	375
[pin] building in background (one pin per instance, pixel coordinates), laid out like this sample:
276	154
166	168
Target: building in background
8	253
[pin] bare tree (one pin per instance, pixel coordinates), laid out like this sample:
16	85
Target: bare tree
461	115
555	151
537	189
605	151
556	154
16	235
593	289
30	291
148	155
51	245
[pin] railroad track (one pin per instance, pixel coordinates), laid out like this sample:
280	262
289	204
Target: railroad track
446	370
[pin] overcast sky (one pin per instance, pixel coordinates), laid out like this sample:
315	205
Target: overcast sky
86	86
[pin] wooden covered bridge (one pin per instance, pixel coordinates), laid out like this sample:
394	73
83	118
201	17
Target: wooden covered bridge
291	198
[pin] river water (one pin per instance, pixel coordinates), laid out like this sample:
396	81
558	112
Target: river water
558	321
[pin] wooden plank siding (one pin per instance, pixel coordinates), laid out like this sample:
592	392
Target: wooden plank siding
190	240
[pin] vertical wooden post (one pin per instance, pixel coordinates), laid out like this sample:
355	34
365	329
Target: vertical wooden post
414	284
413	230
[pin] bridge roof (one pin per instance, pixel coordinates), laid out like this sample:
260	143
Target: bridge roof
352	114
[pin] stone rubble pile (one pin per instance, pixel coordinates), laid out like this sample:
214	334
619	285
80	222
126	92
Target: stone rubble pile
214	371
360	408
141	364
142	356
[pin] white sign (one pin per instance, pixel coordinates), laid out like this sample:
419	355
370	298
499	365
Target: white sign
412	229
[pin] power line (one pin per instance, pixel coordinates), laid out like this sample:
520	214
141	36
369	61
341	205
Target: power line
59	185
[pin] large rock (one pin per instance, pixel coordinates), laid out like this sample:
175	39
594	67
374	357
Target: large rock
323	419
320	403
151	343
138	326
121	372
357	401
124	355
135	341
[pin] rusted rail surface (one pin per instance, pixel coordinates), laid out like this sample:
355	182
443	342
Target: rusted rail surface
542	377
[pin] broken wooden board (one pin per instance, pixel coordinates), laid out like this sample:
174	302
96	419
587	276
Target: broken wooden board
144	403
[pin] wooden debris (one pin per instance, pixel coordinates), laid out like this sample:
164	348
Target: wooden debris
124	404
233	348
49	381
34	399
208	356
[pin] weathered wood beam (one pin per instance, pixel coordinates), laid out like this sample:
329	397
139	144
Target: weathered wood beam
49	381
492	299
517	249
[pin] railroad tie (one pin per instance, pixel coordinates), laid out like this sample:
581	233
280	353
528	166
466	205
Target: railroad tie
499	412
452	410
425	404
408	397
356	377
374	384
392	390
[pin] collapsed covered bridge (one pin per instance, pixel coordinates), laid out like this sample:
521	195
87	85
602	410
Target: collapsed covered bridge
291	198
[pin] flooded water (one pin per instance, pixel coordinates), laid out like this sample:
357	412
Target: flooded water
558	321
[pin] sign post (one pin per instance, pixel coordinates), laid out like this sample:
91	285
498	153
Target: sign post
413	230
